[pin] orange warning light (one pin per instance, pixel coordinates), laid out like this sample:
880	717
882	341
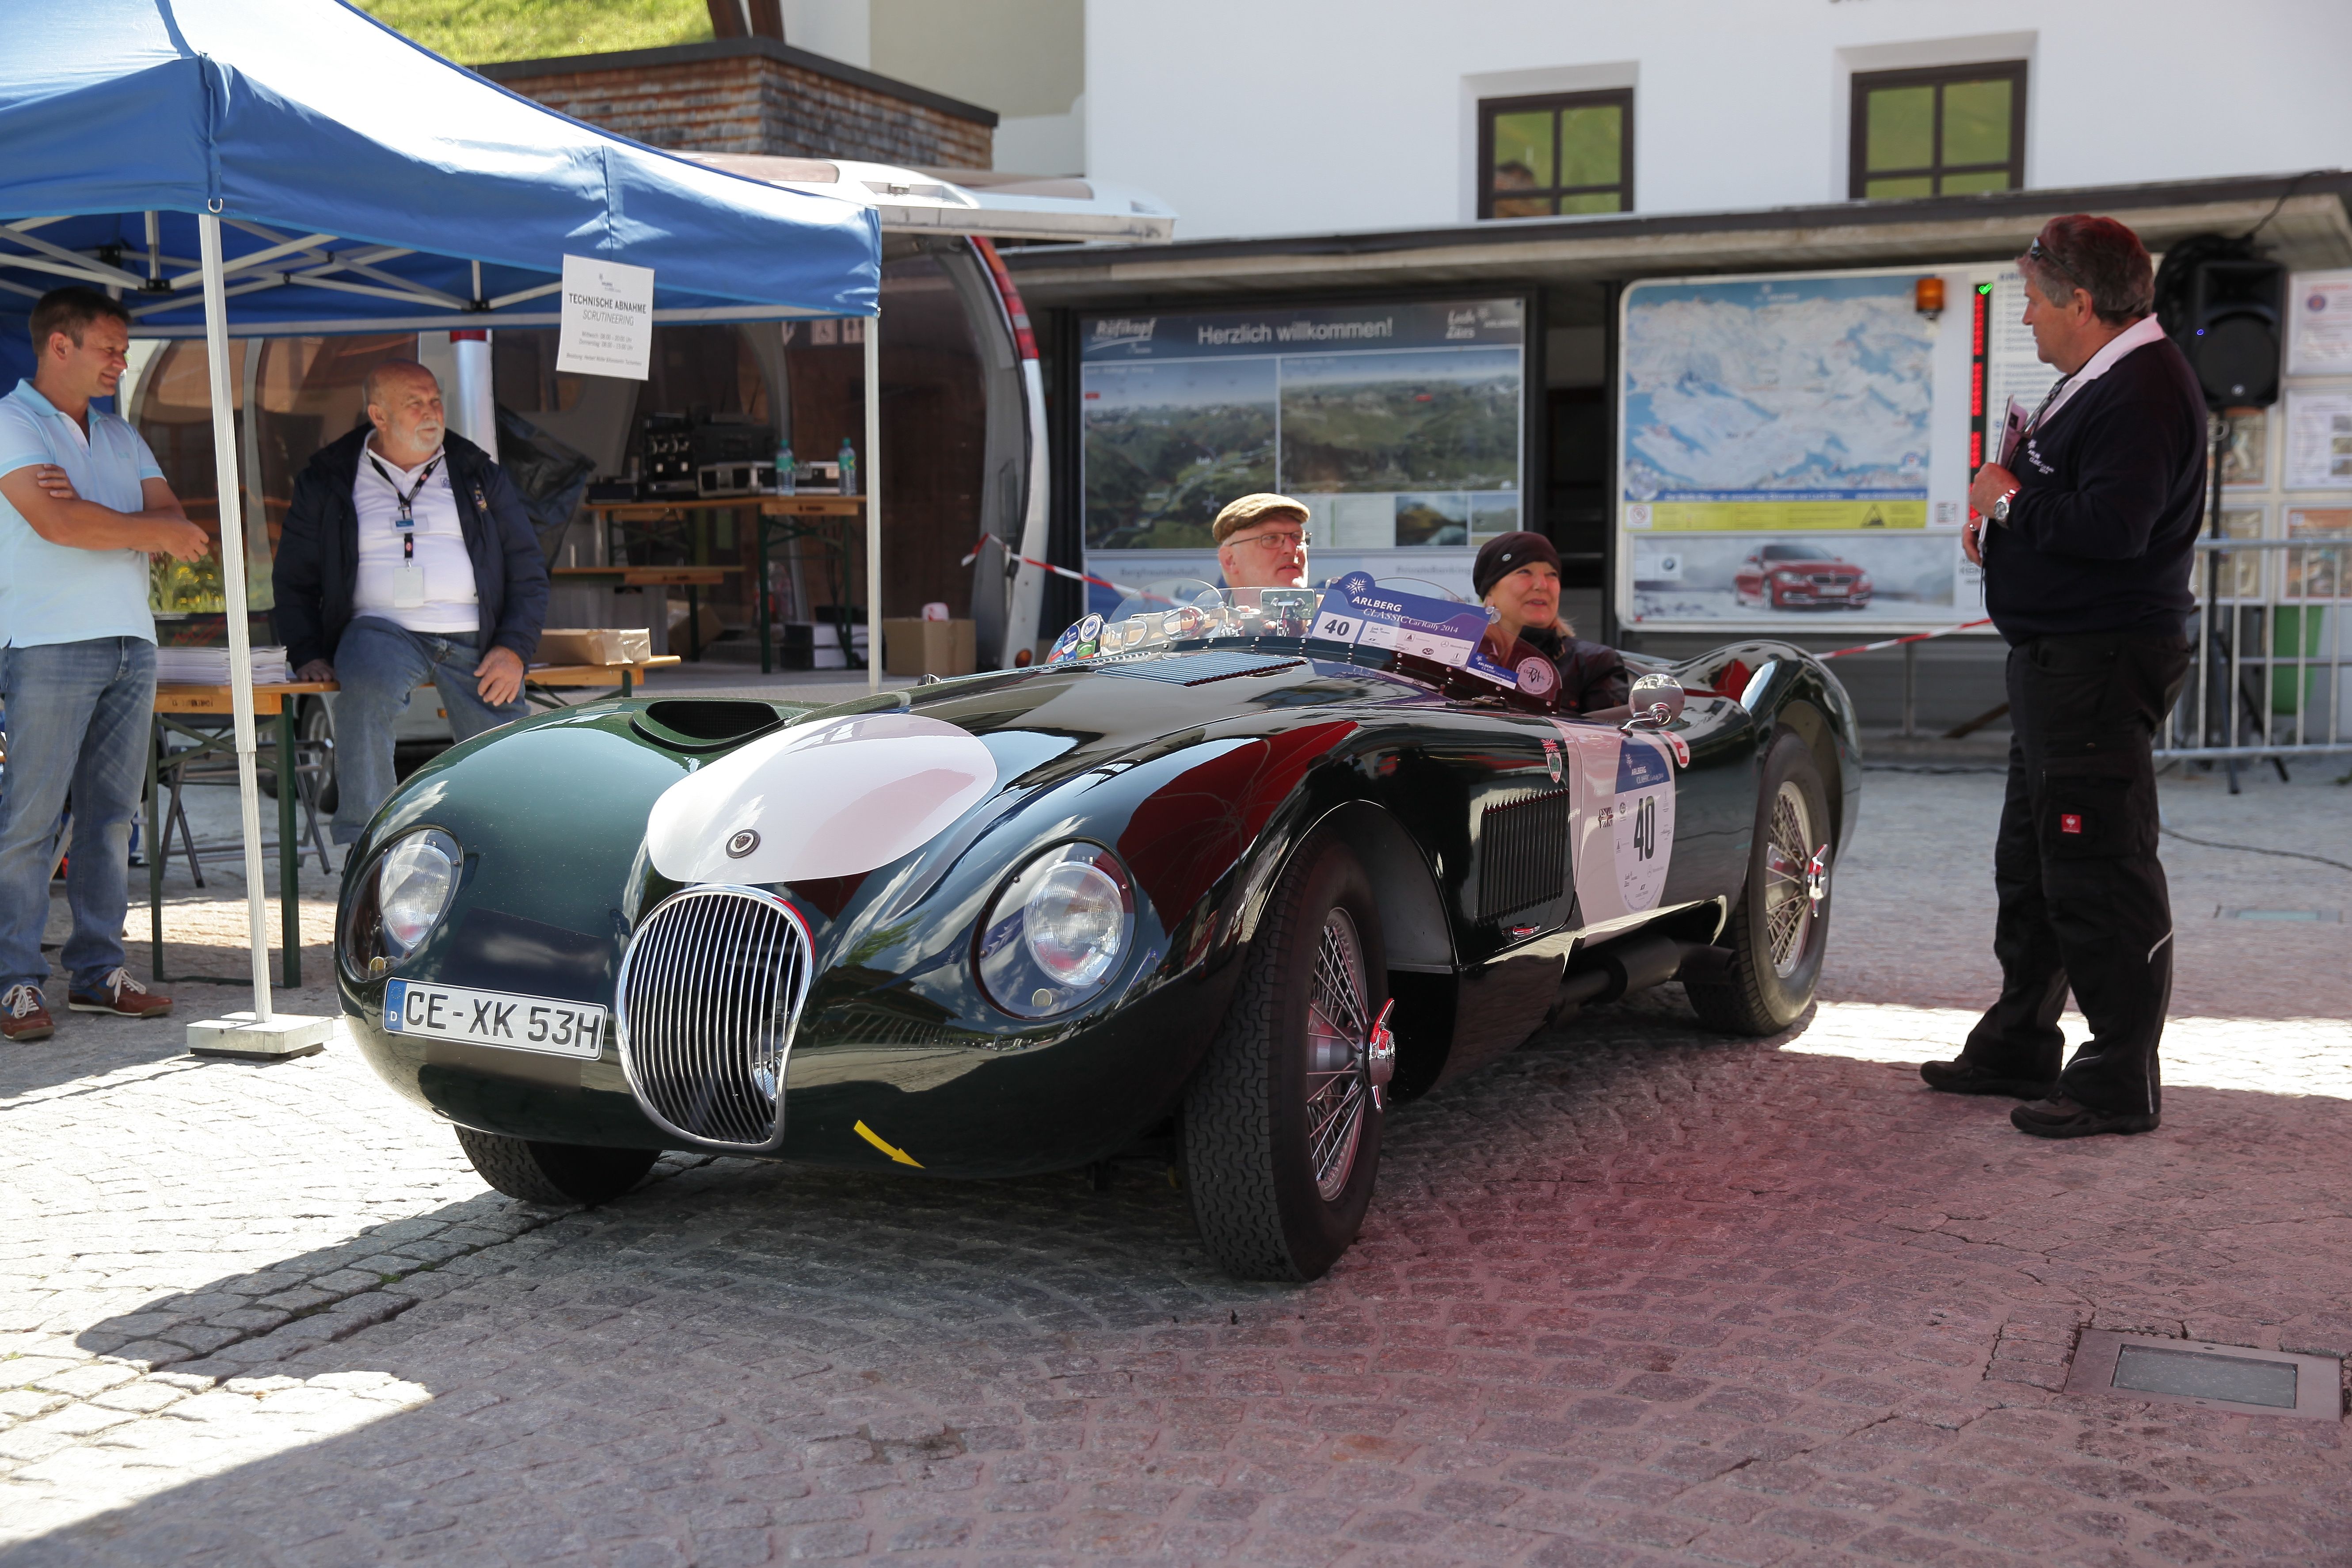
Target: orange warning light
1928	297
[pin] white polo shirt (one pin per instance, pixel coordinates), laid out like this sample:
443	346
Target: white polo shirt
451	604
60	593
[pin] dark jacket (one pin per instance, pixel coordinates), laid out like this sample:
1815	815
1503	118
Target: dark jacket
1591	675
318	567
2111	492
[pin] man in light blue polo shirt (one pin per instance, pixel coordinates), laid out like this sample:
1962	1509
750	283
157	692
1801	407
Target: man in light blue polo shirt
82	505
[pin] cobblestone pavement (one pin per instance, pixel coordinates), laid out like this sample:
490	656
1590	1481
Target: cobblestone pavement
1637	1294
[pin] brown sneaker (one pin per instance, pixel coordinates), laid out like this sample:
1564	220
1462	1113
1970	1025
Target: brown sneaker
119	995
23	1017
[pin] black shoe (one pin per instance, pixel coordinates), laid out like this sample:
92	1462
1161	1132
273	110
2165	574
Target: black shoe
1964	1076
2059	1117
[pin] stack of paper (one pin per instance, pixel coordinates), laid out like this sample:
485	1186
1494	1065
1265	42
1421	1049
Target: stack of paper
209	666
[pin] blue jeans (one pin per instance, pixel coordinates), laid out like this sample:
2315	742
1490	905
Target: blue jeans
378	664
79	717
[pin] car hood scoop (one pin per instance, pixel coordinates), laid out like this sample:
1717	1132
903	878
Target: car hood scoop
829	799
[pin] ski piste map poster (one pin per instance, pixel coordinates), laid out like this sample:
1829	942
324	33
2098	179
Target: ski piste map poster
1794	449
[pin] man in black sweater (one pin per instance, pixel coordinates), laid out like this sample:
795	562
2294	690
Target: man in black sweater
2086	535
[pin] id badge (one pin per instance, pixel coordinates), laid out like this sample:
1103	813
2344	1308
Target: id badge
408	586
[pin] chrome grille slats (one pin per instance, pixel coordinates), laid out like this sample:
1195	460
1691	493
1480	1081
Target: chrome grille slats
710	993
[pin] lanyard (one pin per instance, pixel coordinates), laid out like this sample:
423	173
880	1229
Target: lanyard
2048	397
406	499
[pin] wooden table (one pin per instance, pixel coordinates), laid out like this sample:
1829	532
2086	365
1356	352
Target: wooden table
269	701
780	520
276	700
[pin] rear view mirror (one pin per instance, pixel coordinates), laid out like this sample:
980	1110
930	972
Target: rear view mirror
1656	701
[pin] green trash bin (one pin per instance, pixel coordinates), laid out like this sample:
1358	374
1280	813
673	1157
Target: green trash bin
2296	633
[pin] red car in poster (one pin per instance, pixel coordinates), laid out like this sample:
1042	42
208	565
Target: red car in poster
1800	577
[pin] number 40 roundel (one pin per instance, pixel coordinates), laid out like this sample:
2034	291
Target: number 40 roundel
1641	819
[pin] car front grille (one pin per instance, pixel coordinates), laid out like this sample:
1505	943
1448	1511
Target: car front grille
1523	853
710	992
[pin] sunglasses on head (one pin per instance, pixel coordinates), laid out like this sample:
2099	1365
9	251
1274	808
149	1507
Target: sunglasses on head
2042	255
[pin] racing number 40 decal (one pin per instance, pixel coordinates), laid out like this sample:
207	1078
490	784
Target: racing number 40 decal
1625	817
1641	820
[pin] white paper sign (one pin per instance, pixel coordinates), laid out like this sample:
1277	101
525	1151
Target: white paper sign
2319	440
2319	317
608	319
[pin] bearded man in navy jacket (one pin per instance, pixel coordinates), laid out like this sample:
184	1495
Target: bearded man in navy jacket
2087	538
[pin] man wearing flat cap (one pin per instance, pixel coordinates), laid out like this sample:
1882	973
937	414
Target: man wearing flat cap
1262	542
1517	577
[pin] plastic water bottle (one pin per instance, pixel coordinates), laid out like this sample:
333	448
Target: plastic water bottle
847	458
786	484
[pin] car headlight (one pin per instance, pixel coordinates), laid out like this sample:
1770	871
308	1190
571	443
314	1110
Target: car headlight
1055	937
414	884
400	901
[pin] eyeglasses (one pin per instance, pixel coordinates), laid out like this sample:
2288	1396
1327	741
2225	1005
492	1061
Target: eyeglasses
2042	255
1286	540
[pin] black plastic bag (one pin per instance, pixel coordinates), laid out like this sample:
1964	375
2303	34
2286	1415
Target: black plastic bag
550	476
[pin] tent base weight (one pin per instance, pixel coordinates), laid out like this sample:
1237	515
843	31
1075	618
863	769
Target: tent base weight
237	1037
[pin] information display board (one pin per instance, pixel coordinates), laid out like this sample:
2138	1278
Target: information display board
1400	425
1795	449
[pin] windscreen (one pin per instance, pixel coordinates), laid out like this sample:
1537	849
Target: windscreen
1407	615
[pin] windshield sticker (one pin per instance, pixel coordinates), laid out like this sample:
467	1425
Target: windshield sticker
1479	664
1355	609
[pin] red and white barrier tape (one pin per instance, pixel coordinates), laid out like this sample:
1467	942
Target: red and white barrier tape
988	539
1914	636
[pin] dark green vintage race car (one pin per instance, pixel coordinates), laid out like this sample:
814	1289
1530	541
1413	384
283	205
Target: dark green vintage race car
1223	891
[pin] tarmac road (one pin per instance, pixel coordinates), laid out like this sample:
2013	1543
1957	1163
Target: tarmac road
1637	1294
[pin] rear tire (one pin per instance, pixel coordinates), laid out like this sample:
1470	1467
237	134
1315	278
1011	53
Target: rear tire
1281	1135
1777	933
554	1175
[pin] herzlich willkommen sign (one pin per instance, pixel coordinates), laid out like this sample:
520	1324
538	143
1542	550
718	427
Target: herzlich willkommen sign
608	319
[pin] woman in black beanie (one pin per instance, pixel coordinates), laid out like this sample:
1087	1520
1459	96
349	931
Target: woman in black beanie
1518	575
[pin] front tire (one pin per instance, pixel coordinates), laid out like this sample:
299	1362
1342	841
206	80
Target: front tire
554	1175
1281	1126
1778	931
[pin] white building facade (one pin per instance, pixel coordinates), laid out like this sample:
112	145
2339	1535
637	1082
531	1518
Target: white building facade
1253	118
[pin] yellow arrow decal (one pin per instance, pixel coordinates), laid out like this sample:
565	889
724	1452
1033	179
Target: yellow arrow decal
898	1155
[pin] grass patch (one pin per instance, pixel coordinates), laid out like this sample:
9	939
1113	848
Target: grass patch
479	32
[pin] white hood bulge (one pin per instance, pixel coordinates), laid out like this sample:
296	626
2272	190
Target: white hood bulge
831	799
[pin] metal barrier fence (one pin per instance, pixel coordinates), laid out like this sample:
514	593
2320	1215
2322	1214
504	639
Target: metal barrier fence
2271	653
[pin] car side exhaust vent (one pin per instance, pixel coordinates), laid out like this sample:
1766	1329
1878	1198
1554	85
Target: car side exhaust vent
1523	853
710	992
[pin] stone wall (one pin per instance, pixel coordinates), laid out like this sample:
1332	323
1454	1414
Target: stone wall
755	95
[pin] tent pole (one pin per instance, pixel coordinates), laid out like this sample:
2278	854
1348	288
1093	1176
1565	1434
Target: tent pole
240	650
870	482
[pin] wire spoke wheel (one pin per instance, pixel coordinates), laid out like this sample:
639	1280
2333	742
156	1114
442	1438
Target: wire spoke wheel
1787	912
1775	936
1337	1032
1280	1128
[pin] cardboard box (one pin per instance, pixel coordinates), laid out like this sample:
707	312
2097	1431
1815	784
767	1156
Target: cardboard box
929	647
596	644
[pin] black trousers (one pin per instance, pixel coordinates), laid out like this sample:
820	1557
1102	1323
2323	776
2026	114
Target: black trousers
2082	898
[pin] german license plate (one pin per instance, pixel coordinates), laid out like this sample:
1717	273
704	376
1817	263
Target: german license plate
494	1018
1833	590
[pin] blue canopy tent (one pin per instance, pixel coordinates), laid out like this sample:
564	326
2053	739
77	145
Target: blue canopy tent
243	167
